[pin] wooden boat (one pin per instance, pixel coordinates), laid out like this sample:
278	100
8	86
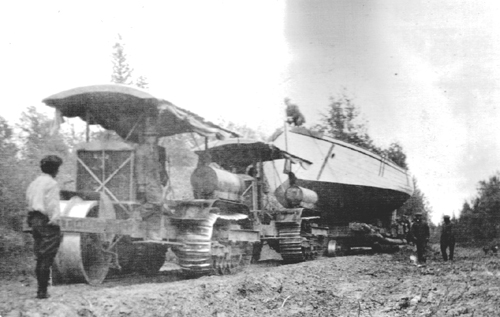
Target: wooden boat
352	184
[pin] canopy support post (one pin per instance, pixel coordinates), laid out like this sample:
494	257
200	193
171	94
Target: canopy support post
255	189
285	130
87	128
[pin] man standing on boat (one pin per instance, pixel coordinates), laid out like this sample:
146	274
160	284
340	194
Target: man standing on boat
447	238
43	210
420	234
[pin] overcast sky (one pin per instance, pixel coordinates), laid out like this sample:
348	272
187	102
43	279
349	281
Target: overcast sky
423	73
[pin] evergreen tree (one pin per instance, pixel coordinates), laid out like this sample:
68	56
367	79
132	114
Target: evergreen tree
396	154
122	72
36	140
464	225
342	122
11	192
480	218
416	204
142	82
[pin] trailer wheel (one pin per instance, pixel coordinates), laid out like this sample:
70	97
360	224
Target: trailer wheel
336	248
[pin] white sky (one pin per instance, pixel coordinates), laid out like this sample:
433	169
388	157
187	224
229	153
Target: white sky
424	73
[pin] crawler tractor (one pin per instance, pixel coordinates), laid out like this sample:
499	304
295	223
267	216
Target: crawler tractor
111	221
286	218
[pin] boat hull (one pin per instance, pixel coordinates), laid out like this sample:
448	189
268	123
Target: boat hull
343	203
352	184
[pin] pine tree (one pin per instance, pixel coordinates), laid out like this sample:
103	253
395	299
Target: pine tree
416	204
480	219
396	154
122	72
11	193
342	122
142	82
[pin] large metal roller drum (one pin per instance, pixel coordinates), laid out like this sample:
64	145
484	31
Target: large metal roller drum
82	256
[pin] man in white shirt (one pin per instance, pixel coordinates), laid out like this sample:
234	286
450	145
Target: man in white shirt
43	210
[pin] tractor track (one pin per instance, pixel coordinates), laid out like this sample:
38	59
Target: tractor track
171	273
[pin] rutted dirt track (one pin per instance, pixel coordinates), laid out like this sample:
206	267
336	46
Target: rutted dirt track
362	285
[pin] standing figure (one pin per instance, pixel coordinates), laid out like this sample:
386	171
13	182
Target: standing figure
43	210
293	114
150	172
150	168
151	176
420	234
405	227
447	238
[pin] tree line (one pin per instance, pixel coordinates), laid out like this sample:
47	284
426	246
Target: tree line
479	221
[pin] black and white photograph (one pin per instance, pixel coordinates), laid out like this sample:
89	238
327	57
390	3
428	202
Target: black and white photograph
250	158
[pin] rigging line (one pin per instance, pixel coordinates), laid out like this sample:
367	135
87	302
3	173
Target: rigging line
246	190
318	146
194	139
381	169
277	173
327	157
135	125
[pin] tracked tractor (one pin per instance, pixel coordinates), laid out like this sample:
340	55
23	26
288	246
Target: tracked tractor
118	216
286	219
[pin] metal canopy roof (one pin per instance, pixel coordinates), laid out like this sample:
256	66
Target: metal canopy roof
237	152
121	108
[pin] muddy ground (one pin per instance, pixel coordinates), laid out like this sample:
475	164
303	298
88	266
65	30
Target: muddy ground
356	285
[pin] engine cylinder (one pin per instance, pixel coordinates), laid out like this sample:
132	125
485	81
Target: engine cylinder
210	183
296	196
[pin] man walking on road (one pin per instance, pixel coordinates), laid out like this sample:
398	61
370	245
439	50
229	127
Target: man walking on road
420	234
447	238
43	210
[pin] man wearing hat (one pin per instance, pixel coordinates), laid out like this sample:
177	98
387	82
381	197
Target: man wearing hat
447	238
43	210
420	234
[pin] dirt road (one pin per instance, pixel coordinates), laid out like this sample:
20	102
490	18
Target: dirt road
362	285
